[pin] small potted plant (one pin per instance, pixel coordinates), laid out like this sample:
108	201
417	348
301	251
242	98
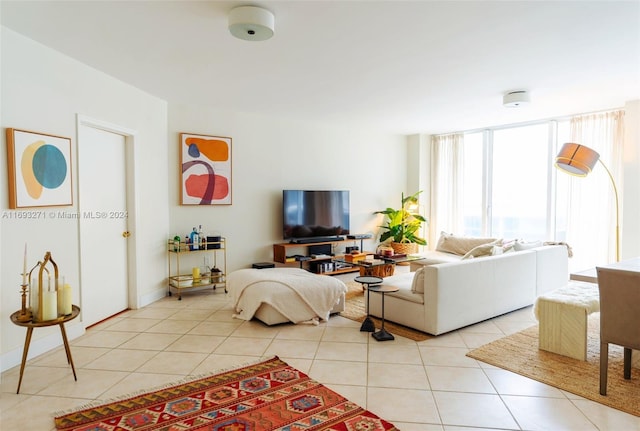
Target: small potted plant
403	225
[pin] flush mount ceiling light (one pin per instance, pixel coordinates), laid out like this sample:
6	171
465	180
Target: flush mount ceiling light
513	99
251	23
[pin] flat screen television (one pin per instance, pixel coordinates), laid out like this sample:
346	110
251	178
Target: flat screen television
315	214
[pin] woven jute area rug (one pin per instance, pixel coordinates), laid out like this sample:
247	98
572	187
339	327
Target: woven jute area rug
355	309
519	353
268	395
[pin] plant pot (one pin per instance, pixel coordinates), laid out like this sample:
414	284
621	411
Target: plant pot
404	247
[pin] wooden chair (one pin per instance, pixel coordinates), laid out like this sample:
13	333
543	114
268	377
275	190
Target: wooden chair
619	317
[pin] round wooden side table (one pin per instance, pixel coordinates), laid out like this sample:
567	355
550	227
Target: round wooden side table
60	321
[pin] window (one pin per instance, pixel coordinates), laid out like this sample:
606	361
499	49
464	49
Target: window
519	178
501	183
506	182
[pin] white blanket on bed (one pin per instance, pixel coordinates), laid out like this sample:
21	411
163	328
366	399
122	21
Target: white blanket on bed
297	294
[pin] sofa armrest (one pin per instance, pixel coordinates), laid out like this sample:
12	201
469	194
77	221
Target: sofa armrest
552	268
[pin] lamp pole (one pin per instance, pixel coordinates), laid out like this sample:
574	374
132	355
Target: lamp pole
615	193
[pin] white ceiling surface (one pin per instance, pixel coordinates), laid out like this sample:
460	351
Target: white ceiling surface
393	66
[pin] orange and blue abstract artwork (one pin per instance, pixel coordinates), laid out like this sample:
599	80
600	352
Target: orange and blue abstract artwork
39	169
205	169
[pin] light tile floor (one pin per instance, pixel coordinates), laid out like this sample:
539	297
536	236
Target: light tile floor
427	386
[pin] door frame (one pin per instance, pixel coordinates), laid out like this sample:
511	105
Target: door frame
130	137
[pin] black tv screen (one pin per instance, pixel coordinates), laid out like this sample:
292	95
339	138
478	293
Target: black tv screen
315	213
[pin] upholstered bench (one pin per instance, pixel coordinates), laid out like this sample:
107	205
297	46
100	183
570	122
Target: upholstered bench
563	314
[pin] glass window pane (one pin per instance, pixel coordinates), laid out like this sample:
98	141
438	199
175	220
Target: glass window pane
519	183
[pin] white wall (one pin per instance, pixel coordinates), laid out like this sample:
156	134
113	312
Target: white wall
42	91
271	154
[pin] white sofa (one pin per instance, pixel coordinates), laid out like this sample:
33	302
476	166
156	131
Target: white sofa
467	291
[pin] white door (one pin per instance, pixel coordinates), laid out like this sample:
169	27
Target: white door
102	203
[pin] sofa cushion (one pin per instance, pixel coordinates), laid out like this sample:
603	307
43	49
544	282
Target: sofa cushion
417	285
404	283
408	295
433	257
460	245
489	249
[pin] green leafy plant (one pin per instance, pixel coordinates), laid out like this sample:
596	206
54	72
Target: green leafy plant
404	223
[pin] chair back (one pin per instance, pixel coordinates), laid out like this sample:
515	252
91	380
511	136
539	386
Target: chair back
619	307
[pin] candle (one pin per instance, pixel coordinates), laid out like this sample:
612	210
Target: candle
49	305
34	295
24	266
60	299
66	299
195	272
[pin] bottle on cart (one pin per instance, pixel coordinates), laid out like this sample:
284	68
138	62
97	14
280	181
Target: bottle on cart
203	238
194	239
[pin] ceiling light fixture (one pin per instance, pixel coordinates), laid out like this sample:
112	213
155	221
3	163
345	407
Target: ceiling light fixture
251	23
513	99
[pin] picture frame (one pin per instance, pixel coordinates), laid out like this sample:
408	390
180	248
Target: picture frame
39	168
205	169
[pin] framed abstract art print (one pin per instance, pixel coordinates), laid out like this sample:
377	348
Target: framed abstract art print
205	170
39	168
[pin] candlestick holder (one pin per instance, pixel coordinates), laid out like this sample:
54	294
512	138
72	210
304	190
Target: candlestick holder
25	312
44	308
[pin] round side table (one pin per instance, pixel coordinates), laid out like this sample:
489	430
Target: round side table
367	282
382	334
75	311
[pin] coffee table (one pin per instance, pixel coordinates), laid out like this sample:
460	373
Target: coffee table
380	266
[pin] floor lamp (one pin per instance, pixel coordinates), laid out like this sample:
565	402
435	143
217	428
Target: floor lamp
578	160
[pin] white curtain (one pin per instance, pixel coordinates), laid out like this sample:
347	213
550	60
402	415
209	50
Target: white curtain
591	206
446	186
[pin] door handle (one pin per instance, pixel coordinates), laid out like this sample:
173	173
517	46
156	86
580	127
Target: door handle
126	234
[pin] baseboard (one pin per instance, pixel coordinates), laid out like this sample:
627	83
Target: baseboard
39	346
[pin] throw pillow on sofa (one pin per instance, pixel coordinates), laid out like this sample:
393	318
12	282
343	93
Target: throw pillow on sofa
460	245
490	249
521	245
417	285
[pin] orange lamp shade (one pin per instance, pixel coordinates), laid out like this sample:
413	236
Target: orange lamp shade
576	159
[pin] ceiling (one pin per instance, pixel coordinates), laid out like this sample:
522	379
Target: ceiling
391	66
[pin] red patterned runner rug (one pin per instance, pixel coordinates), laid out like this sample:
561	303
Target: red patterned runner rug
269	395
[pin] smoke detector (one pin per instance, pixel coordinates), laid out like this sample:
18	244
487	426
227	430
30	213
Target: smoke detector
513	99
251	23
